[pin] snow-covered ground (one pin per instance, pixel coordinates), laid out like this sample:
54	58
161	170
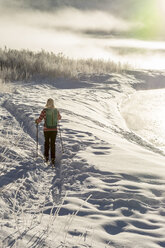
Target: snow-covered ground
109	188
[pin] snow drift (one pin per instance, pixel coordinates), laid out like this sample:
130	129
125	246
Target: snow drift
109	188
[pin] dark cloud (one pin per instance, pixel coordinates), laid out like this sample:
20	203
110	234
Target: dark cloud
119	7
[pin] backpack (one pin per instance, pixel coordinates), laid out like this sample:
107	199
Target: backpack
51	118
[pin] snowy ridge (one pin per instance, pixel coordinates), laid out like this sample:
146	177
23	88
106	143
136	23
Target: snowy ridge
107	192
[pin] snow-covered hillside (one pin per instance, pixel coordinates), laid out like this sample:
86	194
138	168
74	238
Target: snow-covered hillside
109	188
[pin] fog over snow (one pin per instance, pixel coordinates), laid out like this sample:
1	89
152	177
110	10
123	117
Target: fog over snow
85	29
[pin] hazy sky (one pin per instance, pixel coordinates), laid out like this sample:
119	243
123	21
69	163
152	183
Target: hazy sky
83	28
145	15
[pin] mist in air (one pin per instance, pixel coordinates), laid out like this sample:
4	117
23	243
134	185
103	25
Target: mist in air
130	31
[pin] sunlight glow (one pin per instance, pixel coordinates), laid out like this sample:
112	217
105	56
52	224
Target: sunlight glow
148	17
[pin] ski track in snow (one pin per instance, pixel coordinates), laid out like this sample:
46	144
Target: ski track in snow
115	208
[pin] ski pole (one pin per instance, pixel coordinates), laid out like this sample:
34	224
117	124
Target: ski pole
61	138
37	139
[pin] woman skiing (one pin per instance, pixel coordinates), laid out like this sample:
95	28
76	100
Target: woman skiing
51	115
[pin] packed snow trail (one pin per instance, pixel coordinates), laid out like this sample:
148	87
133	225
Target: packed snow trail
109	190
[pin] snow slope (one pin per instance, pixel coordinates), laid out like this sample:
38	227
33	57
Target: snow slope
109	188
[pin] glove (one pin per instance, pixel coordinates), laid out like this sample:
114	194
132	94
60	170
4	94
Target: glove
36	121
